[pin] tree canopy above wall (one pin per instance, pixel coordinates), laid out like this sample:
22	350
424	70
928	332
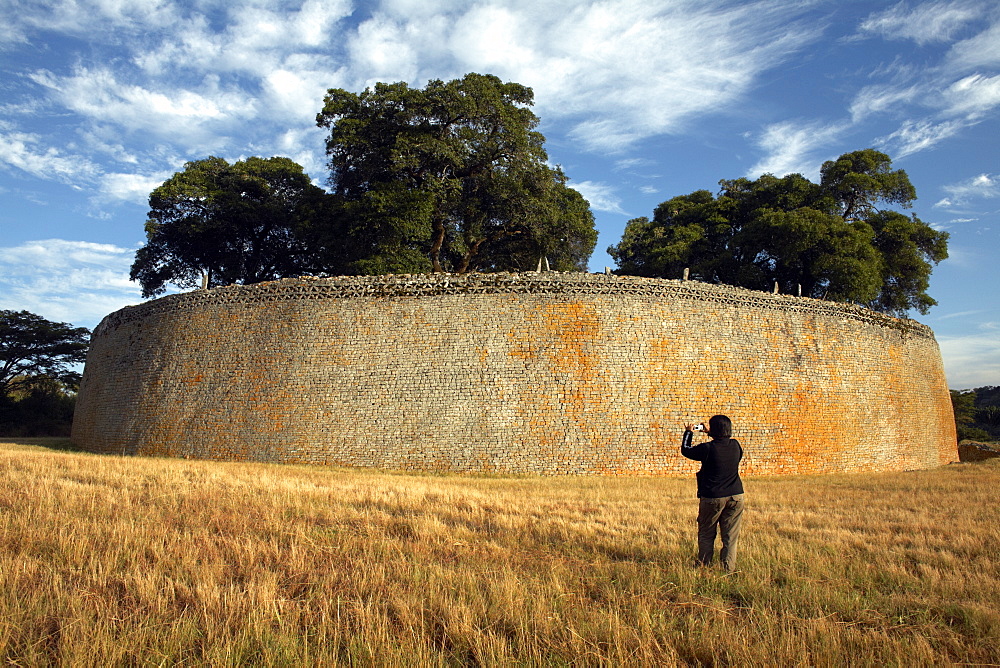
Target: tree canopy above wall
835	239
450	177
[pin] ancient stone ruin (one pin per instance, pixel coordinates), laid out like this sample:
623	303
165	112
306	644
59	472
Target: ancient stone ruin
514	374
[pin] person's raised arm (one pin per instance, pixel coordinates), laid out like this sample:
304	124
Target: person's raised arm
687	448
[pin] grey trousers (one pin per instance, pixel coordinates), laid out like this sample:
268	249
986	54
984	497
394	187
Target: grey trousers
725	516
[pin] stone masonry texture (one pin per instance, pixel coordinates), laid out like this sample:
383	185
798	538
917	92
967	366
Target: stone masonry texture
538	373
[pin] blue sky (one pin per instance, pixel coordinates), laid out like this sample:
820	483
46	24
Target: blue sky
640	101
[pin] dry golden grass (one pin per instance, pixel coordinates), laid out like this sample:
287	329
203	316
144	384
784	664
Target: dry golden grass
128	561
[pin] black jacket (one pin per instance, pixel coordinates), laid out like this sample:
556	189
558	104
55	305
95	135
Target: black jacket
720	466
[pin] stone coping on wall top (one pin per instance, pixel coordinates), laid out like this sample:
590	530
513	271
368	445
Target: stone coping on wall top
534	283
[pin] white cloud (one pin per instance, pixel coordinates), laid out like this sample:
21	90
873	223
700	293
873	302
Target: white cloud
11	35
927	23
794	147
67	281
495	38
55	255
254	41
383	49
914	136
108	143
960	314
253	29
25	152
134	188
938	100
979	51
293	93
983	186
316	20
633	163
299	145
956	106
972	360
618	70
882	99
972	96
189	116
84	17
601	196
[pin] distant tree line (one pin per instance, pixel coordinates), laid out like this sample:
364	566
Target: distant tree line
977	413
38	374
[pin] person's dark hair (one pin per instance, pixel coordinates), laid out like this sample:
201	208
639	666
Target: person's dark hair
719	426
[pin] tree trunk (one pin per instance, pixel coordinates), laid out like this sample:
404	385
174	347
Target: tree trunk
467	258
436	246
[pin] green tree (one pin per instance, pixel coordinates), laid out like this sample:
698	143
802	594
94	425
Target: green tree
33	349
218	223
860	180
827	239
908	248
40	406
986	413
449	177
963	403
690	231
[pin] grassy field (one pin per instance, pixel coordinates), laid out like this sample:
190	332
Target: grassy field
128	561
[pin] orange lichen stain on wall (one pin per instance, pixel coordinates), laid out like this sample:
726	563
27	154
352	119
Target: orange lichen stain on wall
663	368
814	439
799	425
192	379
575	329
566	339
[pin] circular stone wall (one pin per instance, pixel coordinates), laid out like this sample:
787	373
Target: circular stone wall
513	373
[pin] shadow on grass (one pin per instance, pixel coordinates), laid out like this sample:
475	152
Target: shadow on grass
60	443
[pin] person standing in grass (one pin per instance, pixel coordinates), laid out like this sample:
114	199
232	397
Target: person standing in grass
720	489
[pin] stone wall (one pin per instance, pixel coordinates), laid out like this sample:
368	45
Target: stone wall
513	373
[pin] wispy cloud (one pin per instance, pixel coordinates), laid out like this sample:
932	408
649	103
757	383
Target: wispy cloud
67	281
602	197
129	187
172	112
608	73
26	152
936	100
984	186
795	147
914	136
176	82
979	51
926	23
882	99
617	71
972	97
960	314
83	18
